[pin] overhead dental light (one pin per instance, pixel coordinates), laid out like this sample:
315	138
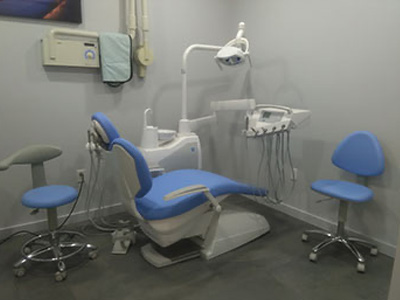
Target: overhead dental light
233	53
182	150
236	51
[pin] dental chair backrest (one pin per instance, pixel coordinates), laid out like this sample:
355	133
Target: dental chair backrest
134	176
103	132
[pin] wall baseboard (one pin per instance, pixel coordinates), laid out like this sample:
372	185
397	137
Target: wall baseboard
41	225
326	224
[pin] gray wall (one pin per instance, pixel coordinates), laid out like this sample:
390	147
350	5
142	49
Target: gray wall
340	59
54	105
394	292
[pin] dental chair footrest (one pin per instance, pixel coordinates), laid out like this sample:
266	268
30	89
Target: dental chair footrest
162	257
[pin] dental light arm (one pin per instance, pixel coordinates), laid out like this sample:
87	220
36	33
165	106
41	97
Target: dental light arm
144	55
193	189
131	8
233	53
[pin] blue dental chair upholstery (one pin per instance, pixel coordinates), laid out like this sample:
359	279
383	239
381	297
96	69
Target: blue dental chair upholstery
361	154
150	199
105	129
179	207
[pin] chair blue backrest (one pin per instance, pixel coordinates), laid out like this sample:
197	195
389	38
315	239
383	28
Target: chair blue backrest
360	153
107	131
140	166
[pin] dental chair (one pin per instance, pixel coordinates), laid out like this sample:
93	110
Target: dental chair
56	245
361	154
180	211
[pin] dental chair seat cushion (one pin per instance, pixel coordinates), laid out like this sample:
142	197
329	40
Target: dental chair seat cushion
152	206
49	196
343	190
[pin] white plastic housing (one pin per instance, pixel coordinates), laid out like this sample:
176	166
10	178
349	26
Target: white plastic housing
71	48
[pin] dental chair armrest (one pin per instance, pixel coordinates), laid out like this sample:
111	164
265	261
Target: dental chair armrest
34	154
193	189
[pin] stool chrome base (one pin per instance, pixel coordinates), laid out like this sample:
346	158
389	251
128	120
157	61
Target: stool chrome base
342	238
55	247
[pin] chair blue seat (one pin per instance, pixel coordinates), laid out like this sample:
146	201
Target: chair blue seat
343	190
152	206
49	196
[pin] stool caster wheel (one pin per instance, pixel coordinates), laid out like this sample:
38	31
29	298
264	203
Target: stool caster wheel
27	250
93	254
361	268
19	272
374	251
304	237
313	257
60	276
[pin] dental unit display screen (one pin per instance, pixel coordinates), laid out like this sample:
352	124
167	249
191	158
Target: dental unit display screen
55	10
270	116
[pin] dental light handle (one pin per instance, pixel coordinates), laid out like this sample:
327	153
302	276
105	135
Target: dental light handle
240	34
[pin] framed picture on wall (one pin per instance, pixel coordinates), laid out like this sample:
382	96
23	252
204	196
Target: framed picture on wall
56	10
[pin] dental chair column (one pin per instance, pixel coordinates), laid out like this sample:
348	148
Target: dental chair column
361	154
56	245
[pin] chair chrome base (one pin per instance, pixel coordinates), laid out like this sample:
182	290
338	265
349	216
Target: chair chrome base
342	238
55	247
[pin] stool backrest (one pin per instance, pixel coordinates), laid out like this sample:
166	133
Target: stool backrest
360	153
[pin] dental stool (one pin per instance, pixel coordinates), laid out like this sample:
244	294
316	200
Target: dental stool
56	245
361	154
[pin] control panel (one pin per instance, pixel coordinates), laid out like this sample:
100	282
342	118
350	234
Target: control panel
71	48
269	119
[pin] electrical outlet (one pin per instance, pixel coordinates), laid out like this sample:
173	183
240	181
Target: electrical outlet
80	174
293	176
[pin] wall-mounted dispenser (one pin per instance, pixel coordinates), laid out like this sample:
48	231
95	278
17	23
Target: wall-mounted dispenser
71	48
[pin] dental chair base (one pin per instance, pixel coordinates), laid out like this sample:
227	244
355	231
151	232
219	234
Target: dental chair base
227	231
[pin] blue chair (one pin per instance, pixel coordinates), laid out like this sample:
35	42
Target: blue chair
184	205
361	154
180	211
57	245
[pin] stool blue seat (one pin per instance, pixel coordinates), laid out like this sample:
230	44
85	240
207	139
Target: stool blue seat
57	245
361	154
49	196
344	190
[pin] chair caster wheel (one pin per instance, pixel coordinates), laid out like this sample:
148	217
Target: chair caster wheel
374	251
361	268
304	237
27	250
19	272
60	276
313	257
93	254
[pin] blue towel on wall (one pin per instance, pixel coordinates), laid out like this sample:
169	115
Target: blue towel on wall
116	58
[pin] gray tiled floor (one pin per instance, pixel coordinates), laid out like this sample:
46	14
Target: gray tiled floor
272	267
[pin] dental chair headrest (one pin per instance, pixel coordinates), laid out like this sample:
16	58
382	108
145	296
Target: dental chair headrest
105	130
142	169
